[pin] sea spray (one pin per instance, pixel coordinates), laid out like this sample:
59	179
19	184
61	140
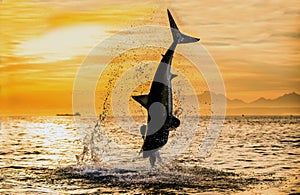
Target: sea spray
96	140
93	152
115	140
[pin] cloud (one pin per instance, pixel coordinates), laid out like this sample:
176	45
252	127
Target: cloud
62	43
90	4
295	35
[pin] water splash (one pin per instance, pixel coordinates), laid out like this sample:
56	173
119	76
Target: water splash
90	153
95	140
100	141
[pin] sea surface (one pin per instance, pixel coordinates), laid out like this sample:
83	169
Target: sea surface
64	155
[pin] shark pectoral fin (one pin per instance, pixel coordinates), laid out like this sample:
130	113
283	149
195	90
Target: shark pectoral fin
143	131
142	99
175	122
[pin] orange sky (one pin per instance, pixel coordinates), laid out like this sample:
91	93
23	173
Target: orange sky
254	43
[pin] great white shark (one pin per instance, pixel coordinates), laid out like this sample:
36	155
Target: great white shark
159	101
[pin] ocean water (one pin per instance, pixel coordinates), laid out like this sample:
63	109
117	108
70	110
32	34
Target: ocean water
61	155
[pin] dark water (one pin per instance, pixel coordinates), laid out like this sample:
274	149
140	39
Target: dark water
254	155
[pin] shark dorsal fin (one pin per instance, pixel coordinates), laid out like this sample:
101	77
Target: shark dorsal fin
142	99
173	76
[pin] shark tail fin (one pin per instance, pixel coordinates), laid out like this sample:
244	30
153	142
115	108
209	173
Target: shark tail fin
142	99
177	35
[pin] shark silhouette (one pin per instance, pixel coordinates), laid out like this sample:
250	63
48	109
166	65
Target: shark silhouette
159	101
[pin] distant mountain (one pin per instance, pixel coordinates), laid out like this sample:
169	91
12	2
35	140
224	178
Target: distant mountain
205	99
285	104
261	100
287	100
236	103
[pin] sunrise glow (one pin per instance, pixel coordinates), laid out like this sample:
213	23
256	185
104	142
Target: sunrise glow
254	43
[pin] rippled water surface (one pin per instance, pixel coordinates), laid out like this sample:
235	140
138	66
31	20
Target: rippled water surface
254	155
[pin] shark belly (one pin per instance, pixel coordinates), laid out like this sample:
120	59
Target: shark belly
159	119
